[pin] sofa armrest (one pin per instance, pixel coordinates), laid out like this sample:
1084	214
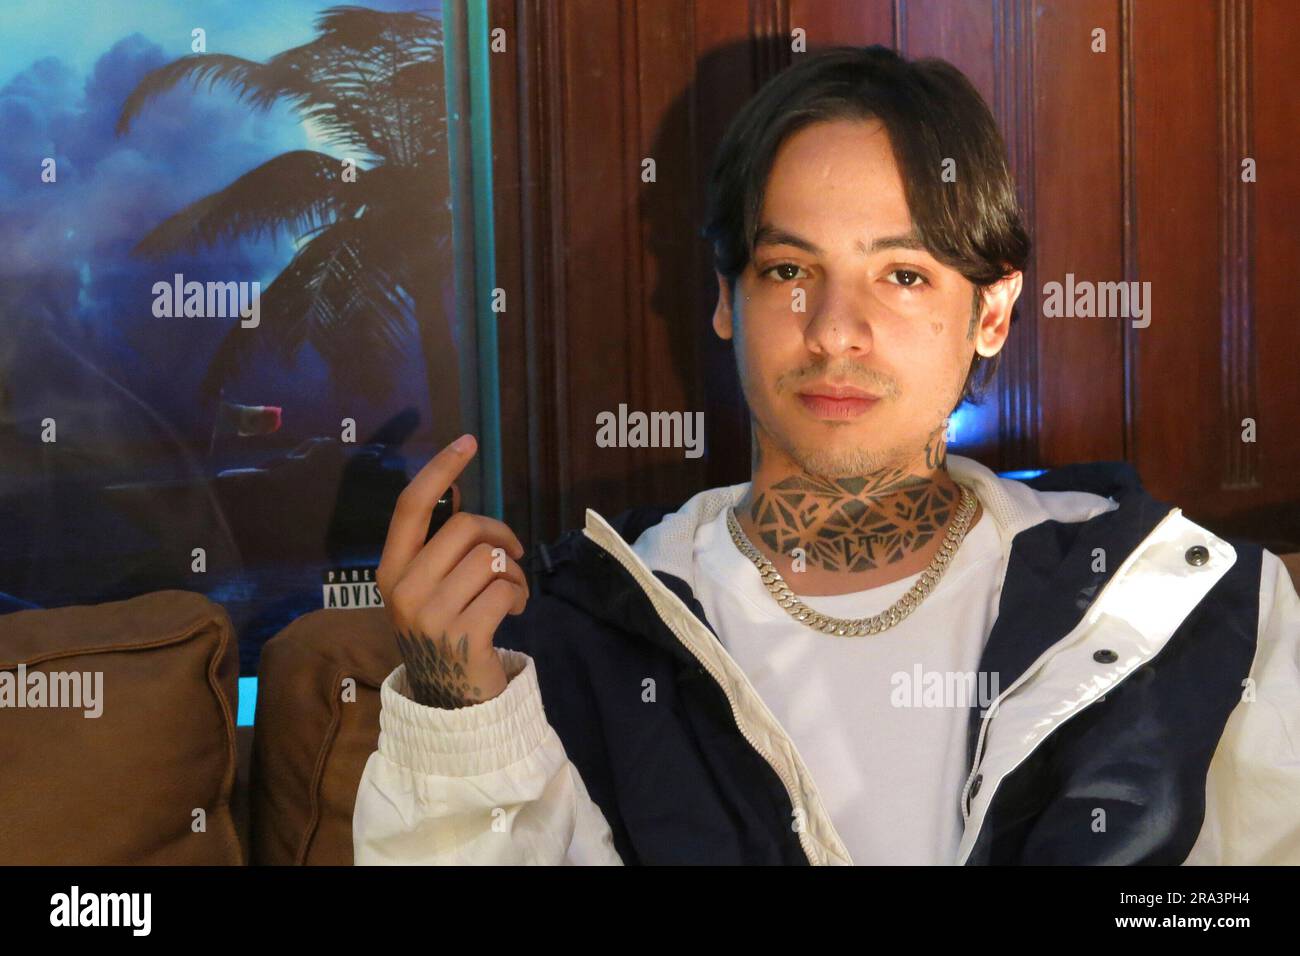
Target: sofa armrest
317	722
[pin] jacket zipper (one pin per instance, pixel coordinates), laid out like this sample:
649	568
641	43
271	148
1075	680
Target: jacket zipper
731	701
987	719
1033	669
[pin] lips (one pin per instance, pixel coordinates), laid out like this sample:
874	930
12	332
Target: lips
836	391
837	401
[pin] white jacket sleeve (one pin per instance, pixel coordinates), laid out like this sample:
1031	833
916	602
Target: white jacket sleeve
487	784
1252	794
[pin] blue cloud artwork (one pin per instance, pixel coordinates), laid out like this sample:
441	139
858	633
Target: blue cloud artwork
226	231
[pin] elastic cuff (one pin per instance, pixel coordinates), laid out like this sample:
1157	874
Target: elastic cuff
464	741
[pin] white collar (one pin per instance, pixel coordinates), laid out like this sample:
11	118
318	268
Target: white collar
1012	505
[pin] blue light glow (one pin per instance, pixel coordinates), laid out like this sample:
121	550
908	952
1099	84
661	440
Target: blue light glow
1024	474
959	424
247	701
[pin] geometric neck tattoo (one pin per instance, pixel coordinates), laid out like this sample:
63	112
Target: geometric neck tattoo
859	523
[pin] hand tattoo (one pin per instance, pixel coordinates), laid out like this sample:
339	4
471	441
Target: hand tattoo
435	670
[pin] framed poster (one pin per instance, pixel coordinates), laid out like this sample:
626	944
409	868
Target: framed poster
232	316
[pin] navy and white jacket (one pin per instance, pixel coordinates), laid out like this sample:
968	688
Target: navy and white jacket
1149	711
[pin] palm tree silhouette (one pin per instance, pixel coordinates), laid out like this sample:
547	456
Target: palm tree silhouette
372	83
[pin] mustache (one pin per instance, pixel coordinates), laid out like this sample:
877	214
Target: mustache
852	375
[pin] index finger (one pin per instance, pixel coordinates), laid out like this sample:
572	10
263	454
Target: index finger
410	524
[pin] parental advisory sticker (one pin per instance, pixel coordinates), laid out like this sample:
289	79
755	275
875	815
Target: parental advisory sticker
350	588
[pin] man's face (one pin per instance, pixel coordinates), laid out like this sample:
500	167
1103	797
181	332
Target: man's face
880	314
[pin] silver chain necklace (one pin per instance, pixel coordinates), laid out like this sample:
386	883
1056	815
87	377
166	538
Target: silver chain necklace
857	627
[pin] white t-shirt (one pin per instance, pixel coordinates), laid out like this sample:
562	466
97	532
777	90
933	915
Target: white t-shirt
880	721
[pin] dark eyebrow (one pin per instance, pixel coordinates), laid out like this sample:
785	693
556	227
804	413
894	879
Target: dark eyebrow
771	235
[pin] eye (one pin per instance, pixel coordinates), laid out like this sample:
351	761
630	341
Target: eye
908	279
781	266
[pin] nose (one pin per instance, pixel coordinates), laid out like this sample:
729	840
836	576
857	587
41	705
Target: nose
838	322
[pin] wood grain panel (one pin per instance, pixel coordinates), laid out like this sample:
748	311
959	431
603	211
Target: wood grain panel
669	281
1238	397
1078	227
1275	252
836	24
959	31
726	64
600	184
1013	440
510	207
1177	422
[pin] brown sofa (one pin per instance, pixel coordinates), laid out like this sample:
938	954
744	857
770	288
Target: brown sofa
163	776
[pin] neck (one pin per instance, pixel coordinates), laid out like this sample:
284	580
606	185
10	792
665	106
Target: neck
852	532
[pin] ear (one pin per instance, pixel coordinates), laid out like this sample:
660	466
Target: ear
722	312
995	314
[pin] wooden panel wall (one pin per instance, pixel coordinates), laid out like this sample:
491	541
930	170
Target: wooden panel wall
1128	166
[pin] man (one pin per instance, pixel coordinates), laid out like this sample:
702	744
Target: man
871	652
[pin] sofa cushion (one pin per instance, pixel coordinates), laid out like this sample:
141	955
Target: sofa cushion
317	724
122	787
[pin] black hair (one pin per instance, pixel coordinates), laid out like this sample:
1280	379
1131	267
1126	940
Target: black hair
932	113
